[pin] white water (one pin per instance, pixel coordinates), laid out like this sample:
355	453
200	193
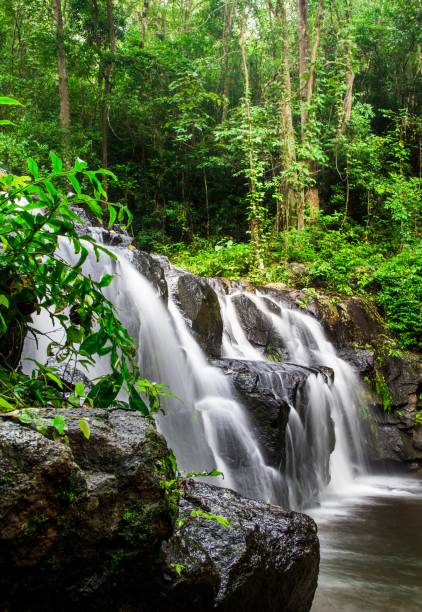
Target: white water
310	468
203	424
206	427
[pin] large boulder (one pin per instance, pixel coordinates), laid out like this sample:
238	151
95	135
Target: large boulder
398	380
268	390
81	519
201	309
265	559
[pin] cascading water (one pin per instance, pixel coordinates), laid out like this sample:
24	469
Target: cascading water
310	466
203	423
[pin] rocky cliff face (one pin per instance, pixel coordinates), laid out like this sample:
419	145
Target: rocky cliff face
90	524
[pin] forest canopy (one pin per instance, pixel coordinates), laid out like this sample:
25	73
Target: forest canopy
244	136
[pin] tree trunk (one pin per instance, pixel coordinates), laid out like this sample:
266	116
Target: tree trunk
255	225
349	78
143	22
63	79
303	32
108	72
311	197
228	20
288	183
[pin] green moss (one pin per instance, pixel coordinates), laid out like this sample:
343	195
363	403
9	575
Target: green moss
383	391
35	523
6	479
120	557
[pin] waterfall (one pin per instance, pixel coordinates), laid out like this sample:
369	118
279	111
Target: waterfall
204	423
311	467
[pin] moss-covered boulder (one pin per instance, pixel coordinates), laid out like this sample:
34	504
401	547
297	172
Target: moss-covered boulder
81	519
232	553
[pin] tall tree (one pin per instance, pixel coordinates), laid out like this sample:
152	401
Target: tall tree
63	78
307	66
254	207
287	197
227	28
107	76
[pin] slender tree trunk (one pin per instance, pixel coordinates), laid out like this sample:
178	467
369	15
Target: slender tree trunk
144	22
228	21
303	31
308	58
108	72
63	78
349	77
254	218
287	192
207	203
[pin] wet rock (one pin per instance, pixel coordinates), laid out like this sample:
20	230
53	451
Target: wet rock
83	521
199	304
268	390
258	326
361	360
398	435
152	268
267	559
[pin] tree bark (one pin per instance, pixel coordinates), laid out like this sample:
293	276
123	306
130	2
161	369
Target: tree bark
143	22
63	78
287	191
254	218
108	72
303	32
347	47
307	87
228	20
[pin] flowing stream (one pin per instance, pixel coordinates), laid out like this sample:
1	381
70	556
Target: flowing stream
208	428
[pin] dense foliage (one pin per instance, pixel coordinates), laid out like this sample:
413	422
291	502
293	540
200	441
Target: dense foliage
35	217
243	135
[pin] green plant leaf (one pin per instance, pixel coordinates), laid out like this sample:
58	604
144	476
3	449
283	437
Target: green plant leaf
85	429
5	404
9	101
137	403
59	424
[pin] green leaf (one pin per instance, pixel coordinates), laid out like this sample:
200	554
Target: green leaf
55	379
79	165
6	122
173	461
84	427
106	280
9	101
4	301
74	335
137	403
5	404
79	389
33	167
57	162
59	424
93	205
75	183
112	215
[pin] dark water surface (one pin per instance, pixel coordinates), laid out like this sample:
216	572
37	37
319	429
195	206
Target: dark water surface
371	547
